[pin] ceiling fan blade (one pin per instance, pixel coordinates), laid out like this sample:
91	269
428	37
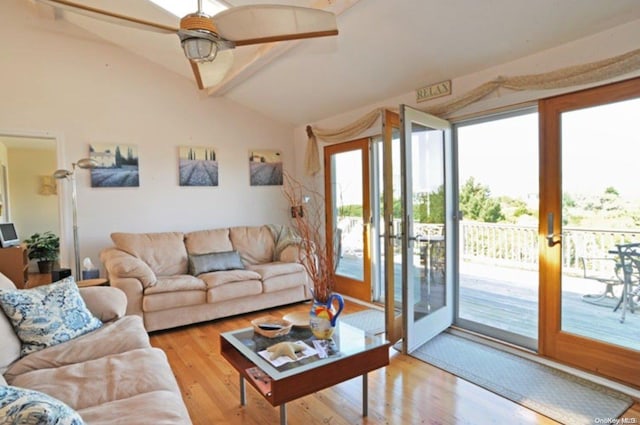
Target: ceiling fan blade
246	25
208	74
105	15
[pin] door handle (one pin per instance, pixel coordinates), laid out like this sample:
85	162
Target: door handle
551	241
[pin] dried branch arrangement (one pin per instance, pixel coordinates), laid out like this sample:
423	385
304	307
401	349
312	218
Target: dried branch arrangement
307	218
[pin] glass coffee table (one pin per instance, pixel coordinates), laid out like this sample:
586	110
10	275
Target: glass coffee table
350	353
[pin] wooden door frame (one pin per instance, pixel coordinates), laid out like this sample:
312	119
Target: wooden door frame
393	323
344	285
605	359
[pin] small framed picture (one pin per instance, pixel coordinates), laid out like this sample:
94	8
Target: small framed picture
197	166
265	168
117	165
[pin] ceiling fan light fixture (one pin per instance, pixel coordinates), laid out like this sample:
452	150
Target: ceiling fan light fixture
200	49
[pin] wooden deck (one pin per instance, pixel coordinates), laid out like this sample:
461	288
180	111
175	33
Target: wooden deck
507	299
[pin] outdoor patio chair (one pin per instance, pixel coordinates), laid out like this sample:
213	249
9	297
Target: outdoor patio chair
629	258
606	270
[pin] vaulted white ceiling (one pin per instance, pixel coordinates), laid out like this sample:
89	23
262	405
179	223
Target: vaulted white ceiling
385	47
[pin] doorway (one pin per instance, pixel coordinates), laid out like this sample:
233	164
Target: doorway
497	191
347	193
28	193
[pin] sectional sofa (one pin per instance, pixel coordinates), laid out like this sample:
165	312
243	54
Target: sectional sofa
174	278
108	374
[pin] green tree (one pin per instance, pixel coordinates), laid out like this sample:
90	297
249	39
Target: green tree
429	207
476	203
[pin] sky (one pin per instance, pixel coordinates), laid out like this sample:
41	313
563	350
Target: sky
601	148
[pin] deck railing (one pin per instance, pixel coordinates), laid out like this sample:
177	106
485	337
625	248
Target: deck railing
514	245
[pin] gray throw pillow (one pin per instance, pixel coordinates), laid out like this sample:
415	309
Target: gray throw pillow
214	262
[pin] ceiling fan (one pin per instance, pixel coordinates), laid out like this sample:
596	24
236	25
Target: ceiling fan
208	41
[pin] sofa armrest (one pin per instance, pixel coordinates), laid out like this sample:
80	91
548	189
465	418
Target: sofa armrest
120	264
105	303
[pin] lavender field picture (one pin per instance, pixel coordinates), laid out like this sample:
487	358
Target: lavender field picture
198	166
265	168
117	165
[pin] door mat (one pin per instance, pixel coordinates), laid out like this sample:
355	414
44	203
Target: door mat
559	395
368	320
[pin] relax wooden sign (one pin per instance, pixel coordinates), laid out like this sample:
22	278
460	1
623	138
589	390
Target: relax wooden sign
440	89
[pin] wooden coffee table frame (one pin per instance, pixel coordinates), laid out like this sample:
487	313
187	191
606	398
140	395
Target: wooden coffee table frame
280	391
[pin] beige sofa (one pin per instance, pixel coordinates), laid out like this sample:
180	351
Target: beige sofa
167	285
109	376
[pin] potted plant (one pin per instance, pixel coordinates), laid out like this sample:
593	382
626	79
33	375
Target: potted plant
43	247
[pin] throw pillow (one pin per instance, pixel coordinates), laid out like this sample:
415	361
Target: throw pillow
47	315
23	406
214	261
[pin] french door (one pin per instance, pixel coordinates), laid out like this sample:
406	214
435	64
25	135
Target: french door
347	196
588	180
427	226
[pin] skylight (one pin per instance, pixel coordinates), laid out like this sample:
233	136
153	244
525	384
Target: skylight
181	8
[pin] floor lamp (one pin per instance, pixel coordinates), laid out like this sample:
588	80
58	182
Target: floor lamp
85	163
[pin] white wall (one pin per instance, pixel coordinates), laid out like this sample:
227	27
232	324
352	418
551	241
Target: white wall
61	81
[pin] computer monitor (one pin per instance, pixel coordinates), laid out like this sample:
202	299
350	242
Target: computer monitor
8	235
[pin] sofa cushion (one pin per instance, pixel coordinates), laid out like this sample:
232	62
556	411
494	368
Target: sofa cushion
234	290
214	262
123	335
255	244
24	406
182	282
214	279
99	381
202	241
157	407
175	299
282	282
164	253
269	270
47	315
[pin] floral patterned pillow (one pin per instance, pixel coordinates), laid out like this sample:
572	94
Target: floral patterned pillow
47	315
22	406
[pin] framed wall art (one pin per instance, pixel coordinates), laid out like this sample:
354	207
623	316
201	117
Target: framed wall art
265	168
117	165
197	166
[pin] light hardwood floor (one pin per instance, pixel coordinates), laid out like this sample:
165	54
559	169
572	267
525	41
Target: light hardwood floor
408	391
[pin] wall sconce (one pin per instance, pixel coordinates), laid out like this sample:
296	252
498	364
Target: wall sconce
47	186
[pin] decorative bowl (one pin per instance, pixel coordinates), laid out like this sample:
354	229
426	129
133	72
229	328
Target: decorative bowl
271	327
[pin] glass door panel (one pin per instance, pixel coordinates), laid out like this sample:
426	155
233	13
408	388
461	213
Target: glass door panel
600	215
427	291
347	193
498	250
590	202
